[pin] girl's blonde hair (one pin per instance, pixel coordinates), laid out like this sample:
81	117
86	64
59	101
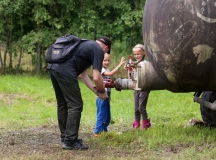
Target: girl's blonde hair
141	46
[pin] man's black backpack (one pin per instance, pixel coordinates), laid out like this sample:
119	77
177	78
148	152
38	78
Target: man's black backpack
62	49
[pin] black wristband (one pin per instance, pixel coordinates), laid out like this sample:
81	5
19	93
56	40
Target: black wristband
101	92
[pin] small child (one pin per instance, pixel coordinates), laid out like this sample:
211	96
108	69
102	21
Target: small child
140	97
103	106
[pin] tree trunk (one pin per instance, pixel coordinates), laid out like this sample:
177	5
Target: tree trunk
43	53
5	57
38	58
19	61
1	61
10	49
21	49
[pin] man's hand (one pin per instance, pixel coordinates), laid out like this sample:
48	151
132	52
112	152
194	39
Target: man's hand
102	96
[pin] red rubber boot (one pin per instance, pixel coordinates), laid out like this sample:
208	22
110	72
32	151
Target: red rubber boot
136	124
146	123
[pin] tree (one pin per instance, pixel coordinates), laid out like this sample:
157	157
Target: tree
32	25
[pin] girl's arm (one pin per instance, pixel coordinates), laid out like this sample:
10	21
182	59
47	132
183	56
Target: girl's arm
111	73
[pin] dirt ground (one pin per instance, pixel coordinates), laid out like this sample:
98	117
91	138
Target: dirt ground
26	142
44	143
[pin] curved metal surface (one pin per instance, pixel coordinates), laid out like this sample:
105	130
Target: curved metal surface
180	41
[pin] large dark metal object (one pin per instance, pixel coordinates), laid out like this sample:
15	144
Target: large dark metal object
180	40
180	43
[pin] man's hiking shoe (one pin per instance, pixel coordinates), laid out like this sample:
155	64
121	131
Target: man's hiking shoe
78	139
75	146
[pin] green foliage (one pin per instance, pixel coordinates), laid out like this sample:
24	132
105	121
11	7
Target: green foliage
42	21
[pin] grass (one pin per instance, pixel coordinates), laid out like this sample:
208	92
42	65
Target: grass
26	101
29	101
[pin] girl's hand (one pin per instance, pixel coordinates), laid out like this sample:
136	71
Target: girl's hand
122	61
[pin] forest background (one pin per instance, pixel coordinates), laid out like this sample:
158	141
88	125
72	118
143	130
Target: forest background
29	27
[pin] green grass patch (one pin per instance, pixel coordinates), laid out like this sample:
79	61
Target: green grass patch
29	101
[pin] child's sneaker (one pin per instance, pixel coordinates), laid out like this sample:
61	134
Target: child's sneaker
96	135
